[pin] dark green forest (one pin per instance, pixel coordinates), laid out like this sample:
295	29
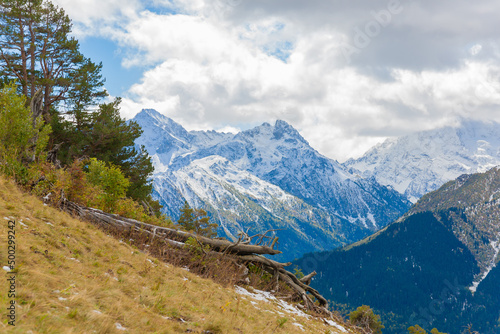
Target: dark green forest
414	272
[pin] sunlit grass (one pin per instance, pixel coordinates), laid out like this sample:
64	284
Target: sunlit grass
74	278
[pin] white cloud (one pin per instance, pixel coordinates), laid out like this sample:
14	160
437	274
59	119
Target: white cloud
229	129
99	17
476	49
221	64
212	77
162	37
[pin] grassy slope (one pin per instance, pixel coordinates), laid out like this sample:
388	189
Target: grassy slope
73	278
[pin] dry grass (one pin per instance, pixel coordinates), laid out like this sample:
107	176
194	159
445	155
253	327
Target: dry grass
74	278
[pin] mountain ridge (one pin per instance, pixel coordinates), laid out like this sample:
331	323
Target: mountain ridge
450	235
343	207
423	161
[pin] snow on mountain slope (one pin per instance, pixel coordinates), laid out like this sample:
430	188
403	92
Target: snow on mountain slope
240	201
419	163
168	139
279	155
266	177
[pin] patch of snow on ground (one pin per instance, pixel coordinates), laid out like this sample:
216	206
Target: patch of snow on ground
496	247
268	297
286	307
299	325
334	324
120	327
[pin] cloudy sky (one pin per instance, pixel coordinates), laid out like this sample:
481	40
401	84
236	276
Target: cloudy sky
346	73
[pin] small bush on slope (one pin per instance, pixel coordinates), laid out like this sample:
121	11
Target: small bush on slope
21	139
103	187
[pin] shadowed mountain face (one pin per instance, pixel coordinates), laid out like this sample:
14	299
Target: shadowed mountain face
265	178
435	267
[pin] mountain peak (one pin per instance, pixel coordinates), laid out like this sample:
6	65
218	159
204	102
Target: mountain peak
151	113
282	128
282	123
423	161
281	131
156	118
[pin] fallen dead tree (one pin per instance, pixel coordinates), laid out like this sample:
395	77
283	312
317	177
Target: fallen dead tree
241	251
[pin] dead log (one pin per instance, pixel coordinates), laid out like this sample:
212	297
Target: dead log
307	279
240	251
308	303
322	301
123	223
264	260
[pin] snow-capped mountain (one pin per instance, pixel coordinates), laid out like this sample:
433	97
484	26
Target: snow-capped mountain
421	162
264	178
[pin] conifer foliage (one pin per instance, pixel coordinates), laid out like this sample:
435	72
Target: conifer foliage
196	220
38	53
419	330
364	317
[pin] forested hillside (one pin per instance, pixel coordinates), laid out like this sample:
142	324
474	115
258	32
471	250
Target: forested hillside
435	267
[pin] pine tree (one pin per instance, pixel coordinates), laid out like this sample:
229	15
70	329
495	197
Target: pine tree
419	330
197	221
37	51
364	317
416	330
111	139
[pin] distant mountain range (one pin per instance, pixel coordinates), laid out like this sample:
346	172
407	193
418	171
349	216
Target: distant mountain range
422	162
268	177
437	266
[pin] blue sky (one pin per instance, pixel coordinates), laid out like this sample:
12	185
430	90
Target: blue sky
346	74
118	78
